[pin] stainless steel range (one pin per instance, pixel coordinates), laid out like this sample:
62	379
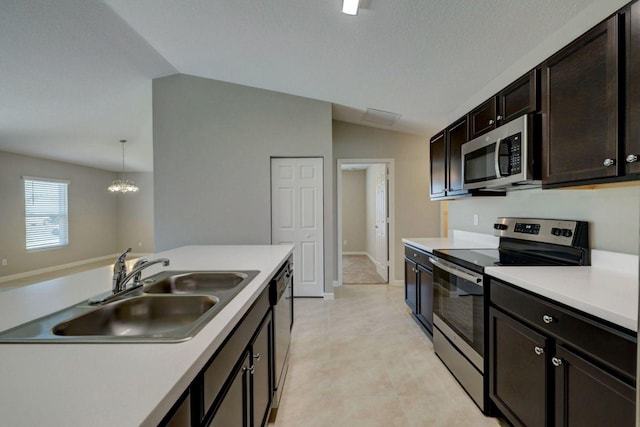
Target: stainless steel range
460	299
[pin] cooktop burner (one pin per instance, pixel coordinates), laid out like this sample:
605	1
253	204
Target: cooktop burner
527	242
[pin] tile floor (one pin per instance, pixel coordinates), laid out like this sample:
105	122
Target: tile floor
361	360
359	269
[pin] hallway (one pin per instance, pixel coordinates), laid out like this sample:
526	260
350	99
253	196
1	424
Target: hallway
359	269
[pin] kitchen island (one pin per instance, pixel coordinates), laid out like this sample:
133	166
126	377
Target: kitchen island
116	384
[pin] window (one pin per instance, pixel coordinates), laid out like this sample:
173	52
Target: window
46	208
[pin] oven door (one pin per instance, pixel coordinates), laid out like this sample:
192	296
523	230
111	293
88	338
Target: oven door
458	308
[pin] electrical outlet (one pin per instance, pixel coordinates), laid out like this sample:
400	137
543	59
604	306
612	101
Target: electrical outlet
475	219
4	262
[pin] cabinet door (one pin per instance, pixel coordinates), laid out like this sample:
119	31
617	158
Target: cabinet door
632	146
580	106
520	97
425	299
518	371
411	284
588	396
483	118
234	408
456	136
437	161
260	374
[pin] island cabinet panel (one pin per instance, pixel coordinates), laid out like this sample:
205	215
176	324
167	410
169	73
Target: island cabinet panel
580	108
235	386
632	141
550	365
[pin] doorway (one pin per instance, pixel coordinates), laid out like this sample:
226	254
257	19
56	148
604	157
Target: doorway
297	219
364	221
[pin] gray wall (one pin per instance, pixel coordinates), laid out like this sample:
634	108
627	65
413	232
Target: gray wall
212	143
415	215
135	215
92	213
354	210
612	212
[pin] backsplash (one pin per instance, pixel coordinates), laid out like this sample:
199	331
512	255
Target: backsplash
613	213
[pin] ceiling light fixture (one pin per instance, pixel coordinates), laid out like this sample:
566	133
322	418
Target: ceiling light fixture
350	7
123	185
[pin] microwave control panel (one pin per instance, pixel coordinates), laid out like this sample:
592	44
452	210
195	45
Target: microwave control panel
515	158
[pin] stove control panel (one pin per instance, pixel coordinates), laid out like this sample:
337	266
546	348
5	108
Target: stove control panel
560	232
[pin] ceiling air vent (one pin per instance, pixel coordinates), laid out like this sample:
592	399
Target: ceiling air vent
380	117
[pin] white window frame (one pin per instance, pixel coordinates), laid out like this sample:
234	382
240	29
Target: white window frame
46	222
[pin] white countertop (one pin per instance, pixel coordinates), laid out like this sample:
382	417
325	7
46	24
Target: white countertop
115	384
458	240
607	289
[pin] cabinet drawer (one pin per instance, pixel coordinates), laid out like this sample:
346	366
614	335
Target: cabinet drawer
221	366
608	346
418	256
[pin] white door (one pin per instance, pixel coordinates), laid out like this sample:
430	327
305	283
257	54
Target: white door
296	218
382	241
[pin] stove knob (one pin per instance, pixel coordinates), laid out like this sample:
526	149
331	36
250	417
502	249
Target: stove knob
500	226
567	233
556	231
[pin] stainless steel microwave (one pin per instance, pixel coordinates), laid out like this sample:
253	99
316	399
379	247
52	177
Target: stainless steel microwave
505	158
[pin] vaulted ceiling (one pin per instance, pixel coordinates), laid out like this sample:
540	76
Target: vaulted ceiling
75	75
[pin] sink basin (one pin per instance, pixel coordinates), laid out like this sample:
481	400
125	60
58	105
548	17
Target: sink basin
139	316
172	307
196	282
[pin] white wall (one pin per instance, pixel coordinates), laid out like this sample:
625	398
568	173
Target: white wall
613	213
212	145
92	213
354	210
415	215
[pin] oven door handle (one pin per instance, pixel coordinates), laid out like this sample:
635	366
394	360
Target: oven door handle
457	272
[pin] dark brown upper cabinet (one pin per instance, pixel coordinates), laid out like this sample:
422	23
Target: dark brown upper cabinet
445	151
482	119
520	97
632	140
438	161
580	108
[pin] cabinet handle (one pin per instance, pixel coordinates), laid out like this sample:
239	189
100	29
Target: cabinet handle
415	255
251	369
498	118
556	361
539	350
491	121
609	162
631	158
547	319
257	357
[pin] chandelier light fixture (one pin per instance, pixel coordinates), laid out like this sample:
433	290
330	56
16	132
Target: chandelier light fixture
123	185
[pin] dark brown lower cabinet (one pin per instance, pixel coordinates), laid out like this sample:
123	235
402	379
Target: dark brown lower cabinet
418	285
411	284
550	366
588	396
518	384
425	301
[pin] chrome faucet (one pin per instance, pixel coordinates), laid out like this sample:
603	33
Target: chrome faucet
120	276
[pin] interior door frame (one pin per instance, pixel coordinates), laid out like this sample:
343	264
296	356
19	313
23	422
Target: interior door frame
390	212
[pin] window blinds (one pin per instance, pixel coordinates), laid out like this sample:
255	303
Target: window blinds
46	213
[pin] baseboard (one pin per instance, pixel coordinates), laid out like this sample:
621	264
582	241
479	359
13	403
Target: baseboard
336	284
328	295
62	267
397	283
355	253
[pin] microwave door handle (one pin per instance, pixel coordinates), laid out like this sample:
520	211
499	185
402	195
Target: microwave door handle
496	160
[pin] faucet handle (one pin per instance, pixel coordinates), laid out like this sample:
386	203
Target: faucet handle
120	270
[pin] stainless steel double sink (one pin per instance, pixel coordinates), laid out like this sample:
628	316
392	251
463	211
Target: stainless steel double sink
172	306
